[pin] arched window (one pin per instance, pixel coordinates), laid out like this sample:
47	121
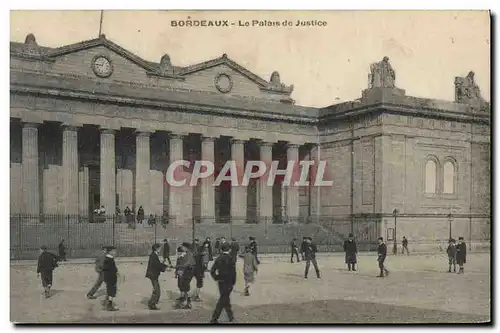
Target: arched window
430	176
449	177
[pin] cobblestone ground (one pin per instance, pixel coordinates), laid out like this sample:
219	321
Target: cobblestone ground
418	290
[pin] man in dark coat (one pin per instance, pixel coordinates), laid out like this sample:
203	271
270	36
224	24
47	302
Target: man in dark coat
208	242
310	256
47	262
217	246
294	248
224	272
155	268
199	269
166	253
110	277
351	250
140	215
235	248
382	254
451	250
461	254
253	248
303	247
404	242
100	277
62	251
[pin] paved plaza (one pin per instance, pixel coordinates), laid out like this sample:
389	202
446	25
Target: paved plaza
418	290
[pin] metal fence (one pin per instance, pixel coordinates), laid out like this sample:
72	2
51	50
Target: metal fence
84	236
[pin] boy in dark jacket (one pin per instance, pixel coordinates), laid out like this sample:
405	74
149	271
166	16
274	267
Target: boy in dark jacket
155	267
452	255
224	272
310	256
382	254
184	271
110	277
350	249
461	254
100	278
47	262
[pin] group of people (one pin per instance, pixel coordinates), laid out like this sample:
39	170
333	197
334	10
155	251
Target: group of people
193	260
457	254
192	263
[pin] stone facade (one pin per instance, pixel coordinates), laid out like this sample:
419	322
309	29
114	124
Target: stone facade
84	136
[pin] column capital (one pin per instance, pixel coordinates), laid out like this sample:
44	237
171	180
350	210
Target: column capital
107	131
208	138
67	127
266	144
237	141
177	135
30	125
292	145
142	133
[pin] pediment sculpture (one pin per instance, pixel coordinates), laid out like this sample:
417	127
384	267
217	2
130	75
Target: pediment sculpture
166	65
275	83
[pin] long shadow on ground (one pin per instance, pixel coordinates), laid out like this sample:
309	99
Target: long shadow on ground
325	312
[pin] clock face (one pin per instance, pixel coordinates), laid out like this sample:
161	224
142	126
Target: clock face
102	66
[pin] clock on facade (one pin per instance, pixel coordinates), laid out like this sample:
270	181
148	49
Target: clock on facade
223	83
102	66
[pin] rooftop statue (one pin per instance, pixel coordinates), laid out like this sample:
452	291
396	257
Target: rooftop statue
382	75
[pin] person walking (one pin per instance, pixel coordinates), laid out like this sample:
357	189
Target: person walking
351	251
224	272
47	262
382	254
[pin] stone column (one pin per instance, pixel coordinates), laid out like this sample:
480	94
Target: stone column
315	192
265	191
238	193
30	171
176	153
70	170
207	188
292	195
83	190
142	173
108	171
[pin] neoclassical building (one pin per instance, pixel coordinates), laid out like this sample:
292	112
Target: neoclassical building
93	124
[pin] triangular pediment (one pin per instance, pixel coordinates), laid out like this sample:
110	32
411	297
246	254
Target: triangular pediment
97	42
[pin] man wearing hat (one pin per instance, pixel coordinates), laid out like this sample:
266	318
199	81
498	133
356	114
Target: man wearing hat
310	256
303	247
199	269
47	262
461	254
294	249
153	271
253	248
224	272
100	277
110	277
351	251
382	254
166	252
235	248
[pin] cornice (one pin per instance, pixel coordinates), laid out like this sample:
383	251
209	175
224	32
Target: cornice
181	107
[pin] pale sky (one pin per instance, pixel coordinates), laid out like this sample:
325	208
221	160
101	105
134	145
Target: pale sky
426	49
